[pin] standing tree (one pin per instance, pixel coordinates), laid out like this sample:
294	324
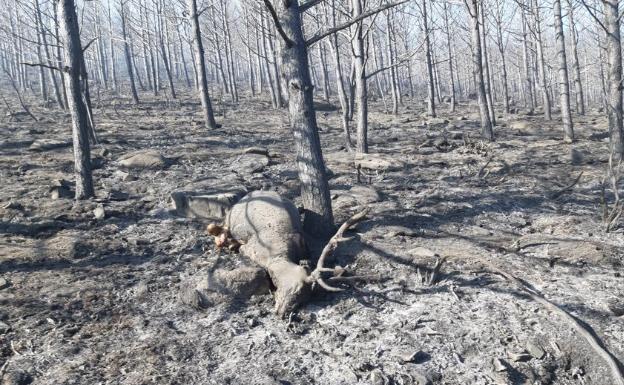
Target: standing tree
614	71
200	66
477	62
318	218
73	61
564	87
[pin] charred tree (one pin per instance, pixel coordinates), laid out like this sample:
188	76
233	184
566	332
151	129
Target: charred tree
73	59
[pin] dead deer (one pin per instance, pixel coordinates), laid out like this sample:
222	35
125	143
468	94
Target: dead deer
266	228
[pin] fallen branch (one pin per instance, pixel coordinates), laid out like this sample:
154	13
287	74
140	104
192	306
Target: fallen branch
592	340
3	368
19	96
480	174
567	188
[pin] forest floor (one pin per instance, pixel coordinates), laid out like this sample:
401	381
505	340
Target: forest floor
87	298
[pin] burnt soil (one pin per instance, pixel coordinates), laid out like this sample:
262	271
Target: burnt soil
97	301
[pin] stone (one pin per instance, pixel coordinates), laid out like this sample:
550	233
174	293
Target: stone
242	282
256	150
499	365
124	176
145	159
398	231
98	162
415	357
535	350
578	157
4	328
223	285
378	378
520	357
48	144
248	164
208	205
4	283
436	121
420	378
99	213
116	195
103	152
616	306
16	377
520	125
378	162
66	244
356	195
422	252
60	188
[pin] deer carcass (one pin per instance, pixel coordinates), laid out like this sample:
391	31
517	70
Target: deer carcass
266	228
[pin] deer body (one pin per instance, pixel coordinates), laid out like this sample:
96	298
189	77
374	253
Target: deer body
269	230
266	228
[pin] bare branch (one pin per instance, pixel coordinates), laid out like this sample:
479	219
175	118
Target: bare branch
43	65
331	31
278	25
309	4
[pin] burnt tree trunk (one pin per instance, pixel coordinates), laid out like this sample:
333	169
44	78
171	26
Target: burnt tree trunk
200	64
73	60
477	62
564	87
295	73
614	75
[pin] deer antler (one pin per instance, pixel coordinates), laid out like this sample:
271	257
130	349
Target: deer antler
329	248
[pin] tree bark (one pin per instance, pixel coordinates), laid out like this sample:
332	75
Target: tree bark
361	88
614	74
73	60
342	94
430	82
576	68
200	64
447	32
525	62
564	87
318	219
540	60
477	62
124	34
486	67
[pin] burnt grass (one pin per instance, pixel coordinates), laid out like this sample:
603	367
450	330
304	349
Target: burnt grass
97	301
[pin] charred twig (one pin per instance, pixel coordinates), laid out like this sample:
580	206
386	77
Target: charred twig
19	96
4	367
481	173
433	278
567	188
